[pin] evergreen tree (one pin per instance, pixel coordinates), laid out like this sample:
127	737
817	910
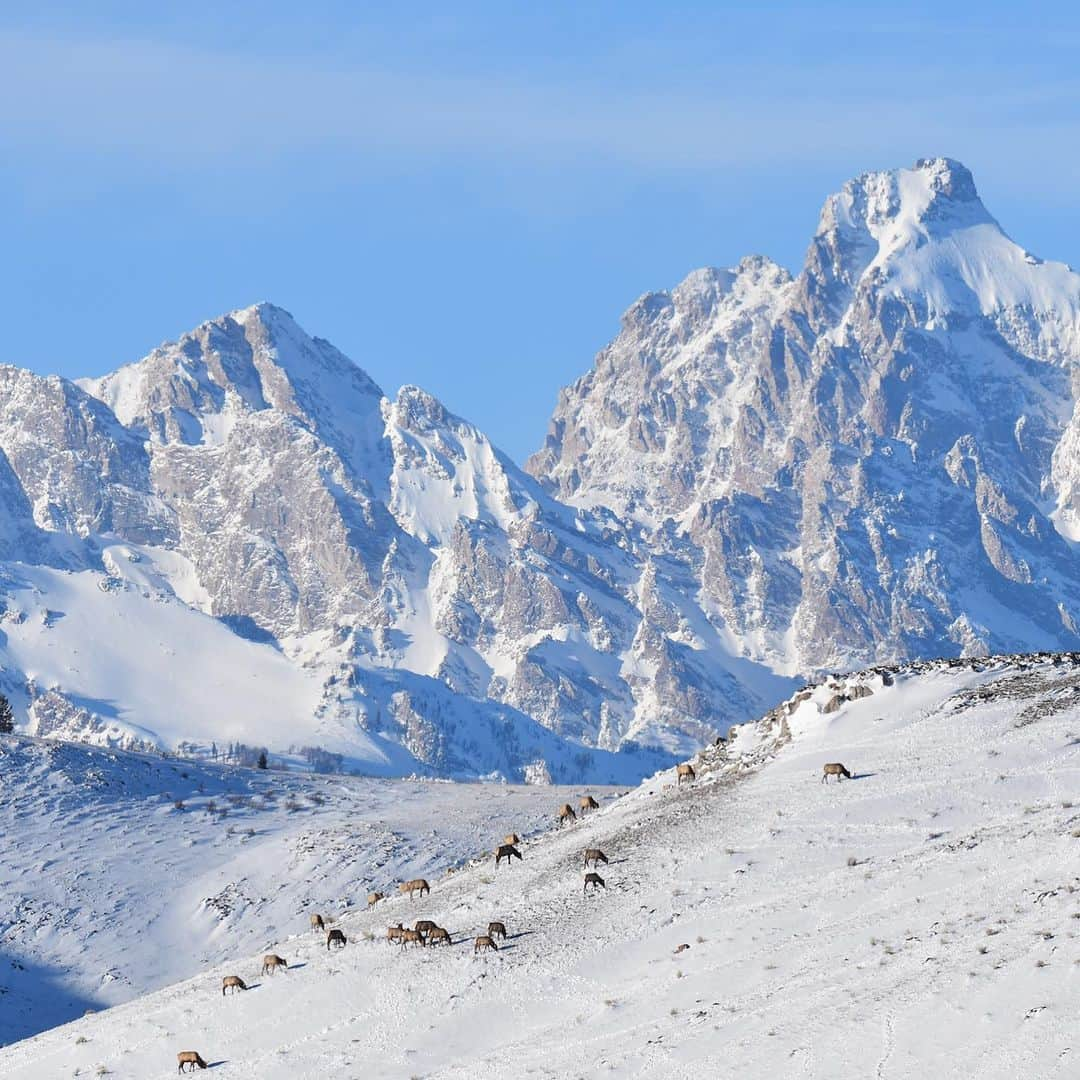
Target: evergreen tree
262	759
7	716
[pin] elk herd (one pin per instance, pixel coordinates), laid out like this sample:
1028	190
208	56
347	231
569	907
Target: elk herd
425	933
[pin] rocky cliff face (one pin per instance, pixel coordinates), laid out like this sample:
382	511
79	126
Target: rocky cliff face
764	476
459	619
871	461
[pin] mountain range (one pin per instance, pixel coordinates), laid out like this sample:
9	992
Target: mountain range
242	539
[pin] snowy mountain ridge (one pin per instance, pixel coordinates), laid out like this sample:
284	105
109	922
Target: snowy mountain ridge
425	605
873	460
765	477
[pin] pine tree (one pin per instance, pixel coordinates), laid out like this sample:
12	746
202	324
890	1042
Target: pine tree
262	759
7	716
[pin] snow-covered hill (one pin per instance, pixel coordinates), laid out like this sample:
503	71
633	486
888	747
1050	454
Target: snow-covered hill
871	461
122	872
917	919
240	538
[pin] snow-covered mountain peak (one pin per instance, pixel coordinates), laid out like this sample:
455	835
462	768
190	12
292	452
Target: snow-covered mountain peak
936	195
923	234
248	360
779	430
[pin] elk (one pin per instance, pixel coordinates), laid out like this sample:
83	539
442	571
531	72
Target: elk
513	838
189	1057
496	929
416	885
232	982
507	852
410	935
587	802
425	926
317	923
595	880
834	768
437	933
484	942
271	962
685	771
373	898
595	856
393	933
566	813
335	937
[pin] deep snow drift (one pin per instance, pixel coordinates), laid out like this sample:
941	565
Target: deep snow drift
918	919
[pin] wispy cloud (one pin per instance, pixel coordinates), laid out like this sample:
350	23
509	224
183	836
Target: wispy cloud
184	107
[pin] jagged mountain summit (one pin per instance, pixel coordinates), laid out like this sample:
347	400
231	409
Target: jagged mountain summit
872	460
241	539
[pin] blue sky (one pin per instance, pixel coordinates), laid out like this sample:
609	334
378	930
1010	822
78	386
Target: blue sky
468	199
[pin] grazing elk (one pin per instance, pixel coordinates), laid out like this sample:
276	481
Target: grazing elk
437	933
232	982
317	923
425	926
834	768
595	856
373	898
416	885
484	942
189	1057
335	937
411	935
595	880
587	802
685	771
271	962
393	933
513	838
507	852
496	929
566	813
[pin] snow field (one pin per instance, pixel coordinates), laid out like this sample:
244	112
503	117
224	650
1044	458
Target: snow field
124	872
920	919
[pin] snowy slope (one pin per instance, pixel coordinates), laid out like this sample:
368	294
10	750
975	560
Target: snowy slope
873	460
112	889
919	919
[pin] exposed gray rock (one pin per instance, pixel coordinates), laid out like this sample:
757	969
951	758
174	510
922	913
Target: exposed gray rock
874	460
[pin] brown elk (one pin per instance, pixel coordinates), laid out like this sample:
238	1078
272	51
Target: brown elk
587	802
393	933
484	942
271	962
496	929
566	813
595	856
834	768
685	771
507	852
232	982
425	926
416	885
189	1057
335	937
317	923
437	933
513	838
410	935
595	880
373	898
